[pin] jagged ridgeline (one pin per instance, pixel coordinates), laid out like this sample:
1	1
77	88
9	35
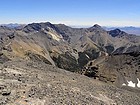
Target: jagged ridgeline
92	51
36	60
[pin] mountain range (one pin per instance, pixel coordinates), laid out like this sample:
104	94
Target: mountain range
130	29
108	56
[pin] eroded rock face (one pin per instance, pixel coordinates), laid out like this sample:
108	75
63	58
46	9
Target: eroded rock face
112	59
42	38
25	82
68	62
121	70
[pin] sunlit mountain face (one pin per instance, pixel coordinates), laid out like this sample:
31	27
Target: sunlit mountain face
56	59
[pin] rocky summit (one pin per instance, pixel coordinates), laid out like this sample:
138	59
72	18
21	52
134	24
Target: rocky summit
54	64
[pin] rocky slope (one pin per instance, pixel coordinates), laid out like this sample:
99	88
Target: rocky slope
63	46
121	70
35	83
108	56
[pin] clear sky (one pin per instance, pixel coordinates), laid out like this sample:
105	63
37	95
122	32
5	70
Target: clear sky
72	12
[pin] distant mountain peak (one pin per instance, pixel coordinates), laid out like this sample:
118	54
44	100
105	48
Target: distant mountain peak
97	26
116	32
4	27
48	23
12	25
127	29
38	26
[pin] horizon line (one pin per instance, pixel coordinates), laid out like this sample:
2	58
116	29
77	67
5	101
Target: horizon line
71	25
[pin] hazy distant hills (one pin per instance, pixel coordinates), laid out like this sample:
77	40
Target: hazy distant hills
130	30
13	25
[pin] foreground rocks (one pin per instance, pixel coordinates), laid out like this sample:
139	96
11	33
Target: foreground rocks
28	83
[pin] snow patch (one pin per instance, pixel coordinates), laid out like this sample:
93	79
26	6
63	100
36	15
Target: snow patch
87	56
123	84
131	84
138	85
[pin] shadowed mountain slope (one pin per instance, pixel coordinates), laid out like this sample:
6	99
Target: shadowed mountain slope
108	56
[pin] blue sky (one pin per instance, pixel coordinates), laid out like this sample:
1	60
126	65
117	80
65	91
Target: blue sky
72	12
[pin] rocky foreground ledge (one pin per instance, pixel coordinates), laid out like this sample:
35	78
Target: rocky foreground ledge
28	83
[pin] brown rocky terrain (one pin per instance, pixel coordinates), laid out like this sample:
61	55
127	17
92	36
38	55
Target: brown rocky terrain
31	58
35	83
115	69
